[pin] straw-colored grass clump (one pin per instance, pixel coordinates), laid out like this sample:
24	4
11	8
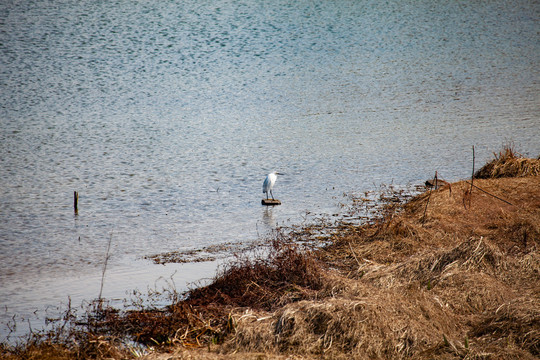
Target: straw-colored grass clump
509	163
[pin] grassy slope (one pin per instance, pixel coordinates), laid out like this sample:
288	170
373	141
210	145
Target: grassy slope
459	282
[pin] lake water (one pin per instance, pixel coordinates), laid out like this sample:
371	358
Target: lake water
166	116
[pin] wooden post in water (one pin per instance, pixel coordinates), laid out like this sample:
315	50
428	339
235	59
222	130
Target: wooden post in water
76	202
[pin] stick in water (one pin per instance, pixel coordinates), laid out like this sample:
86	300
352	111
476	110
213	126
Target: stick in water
105	267
76	202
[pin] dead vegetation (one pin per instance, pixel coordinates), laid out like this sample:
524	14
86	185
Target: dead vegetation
284	274
509	163
435	277
464	283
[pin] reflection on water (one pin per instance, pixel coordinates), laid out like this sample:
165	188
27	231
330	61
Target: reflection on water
268	218
166	116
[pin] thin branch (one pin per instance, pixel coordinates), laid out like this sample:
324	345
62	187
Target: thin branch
472	178
105	267
355	258
496	197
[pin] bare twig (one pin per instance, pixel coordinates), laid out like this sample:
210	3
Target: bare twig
107	256
355	258
472	178
496	197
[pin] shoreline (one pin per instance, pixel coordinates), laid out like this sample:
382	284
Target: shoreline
450	273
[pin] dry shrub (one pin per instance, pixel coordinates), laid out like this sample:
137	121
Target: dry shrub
470	294
178	324
161	326
282	275
286	274
407	289
387	243
519	235
528	269
505	211
470	255
466	278
102	347
265	281
470	260
509	163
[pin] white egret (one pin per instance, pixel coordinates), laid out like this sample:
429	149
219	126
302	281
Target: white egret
269	182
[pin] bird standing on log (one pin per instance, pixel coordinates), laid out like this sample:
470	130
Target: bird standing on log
269	183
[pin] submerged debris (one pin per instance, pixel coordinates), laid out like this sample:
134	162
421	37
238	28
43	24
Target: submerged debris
208	253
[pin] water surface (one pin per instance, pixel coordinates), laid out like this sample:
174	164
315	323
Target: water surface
165	116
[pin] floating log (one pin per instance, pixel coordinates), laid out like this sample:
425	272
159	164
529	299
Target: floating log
270	202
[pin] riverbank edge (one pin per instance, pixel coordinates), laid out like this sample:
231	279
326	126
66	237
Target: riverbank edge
452	273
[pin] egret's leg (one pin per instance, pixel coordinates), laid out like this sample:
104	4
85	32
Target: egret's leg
272	195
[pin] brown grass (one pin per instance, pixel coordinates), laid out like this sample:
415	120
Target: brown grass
77	347
509	163
285	274
451	280
463	282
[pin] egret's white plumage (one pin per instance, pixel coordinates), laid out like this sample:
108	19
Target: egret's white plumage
269	182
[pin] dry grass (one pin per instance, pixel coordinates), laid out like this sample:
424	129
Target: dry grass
448	282
451	274
89	347
509	163
283	274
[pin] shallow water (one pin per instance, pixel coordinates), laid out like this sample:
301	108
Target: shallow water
166	116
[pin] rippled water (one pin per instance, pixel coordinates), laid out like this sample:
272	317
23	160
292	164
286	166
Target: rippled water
166	116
